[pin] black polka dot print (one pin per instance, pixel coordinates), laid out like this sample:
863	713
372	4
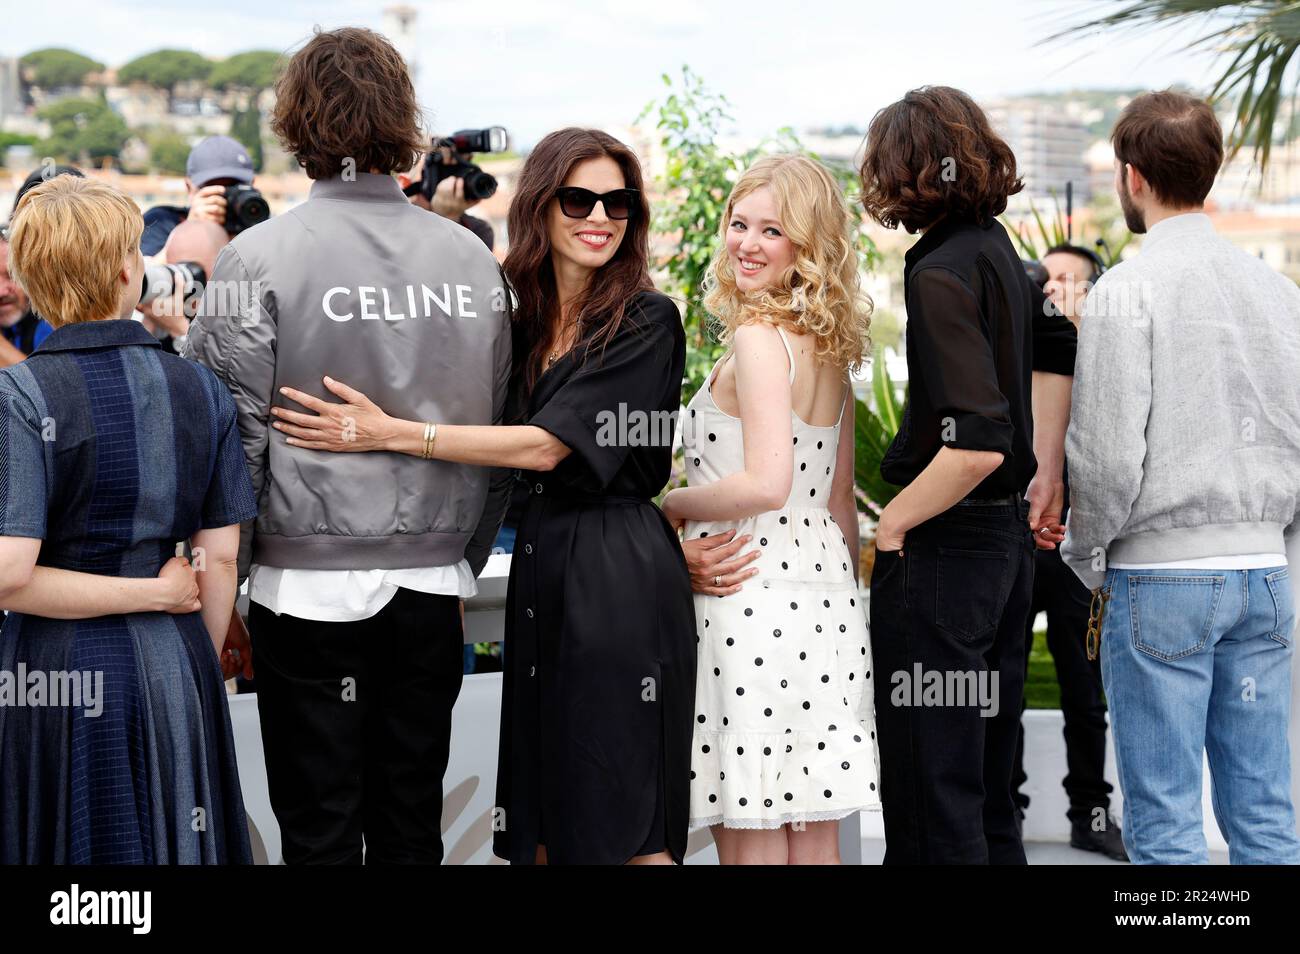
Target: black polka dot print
801	660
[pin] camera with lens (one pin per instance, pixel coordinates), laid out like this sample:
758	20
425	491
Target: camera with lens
162	281
245	207
461	144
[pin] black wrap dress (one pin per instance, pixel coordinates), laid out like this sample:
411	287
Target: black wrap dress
600	627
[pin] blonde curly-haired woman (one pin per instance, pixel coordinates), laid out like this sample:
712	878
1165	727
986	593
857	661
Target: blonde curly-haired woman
784	728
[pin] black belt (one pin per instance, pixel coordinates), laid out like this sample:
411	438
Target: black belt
1008	500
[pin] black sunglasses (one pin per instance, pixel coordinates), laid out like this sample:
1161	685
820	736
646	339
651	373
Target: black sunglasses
577	203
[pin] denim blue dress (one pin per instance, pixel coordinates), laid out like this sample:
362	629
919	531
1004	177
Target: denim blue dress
115	737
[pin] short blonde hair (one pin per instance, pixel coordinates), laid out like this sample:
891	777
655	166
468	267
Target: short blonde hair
822	294
67	241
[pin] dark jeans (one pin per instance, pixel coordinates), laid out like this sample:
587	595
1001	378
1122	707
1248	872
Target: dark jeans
1058	592
356	727
948	612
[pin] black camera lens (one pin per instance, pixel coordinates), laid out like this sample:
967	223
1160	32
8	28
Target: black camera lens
245	207
479	185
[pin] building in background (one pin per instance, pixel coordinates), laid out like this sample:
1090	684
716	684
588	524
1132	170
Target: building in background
11	90
1049	143
399	27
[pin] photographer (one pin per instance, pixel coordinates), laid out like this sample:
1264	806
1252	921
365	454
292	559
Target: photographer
214	164
447	198
1066	275
195	242
21	329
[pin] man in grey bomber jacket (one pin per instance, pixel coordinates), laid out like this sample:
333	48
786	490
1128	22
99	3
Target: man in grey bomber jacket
357	562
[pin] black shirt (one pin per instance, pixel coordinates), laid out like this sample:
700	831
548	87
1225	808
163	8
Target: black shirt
480	228
976	330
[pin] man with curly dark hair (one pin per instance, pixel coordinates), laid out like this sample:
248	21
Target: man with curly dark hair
358	562
953	577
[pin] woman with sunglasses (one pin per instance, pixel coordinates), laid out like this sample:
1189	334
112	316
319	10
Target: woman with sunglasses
600	630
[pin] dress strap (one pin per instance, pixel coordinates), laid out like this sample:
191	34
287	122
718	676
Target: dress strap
788	353
713	371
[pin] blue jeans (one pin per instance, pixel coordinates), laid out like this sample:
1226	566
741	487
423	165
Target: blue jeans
1200	661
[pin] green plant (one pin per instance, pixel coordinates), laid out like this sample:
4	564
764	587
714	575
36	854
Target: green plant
1261	37
694	189
874	429
1054	232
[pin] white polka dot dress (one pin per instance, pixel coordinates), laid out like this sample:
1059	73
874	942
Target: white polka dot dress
784	716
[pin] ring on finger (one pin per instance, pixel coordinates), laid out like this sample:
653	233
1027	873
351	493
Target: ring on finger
717	581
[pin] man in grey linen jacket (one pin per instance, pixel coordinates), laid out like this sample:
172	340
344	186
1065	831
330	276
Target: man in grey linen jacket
358	562
1184	458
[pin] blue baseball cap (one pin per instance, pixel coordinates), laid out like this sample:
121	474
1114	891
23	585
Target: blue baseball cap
218	157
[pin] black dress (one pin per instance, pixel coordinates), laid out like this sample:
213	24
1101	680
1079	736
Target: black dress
600	627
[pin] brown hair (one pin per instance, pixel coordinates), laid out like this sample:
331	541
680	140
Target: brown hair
67	243
347	95
600	310
1175	141
934	154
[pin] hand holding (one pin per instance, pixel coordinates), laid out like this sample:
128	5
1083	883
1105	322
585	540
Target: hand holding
237	651
715	568
179	587
209	204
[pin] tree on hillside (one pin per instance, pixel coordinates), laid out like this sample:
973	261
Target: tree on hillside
83	131
166	69
168	152
254	70
55	67
246	126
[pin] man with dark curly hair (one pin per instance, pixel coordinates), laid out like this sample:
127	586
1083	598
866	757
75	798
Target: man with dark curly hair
358	561
953	578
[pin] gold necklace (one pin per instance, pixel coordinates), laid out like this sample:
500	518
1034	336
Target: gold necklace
555	355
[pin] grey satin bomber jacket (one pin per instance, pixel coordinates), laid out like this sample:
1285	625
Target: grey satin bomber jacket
400	303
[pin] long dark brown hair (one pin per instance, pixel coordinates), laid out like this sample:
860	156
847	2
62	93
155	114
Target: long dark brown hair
934	154
601	309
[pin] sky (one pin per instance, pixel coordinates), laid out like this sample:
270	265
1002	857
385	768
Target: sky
536	65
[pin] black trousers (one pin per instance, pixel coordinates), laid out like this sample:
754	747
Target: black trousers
356	727
948	643
1058	592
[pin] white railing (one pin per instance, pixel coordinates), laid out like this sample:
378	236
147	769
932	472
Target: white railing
470	783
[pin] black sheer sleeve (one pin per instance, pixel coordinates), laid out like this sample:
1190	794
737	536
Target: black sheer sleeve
959	373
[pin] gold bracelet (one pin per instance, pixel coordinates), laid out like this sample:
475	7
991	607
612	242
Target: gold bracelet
430	435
